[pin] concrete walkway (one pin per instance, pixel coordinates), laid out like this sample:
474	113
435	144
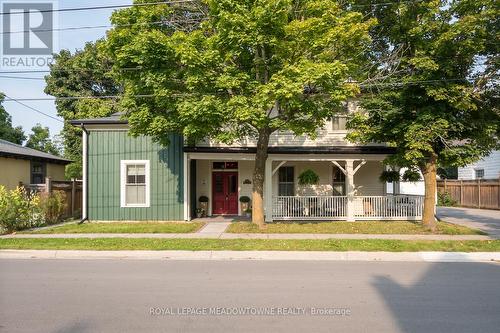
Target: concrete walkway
221	235
256	255
214	228
487	220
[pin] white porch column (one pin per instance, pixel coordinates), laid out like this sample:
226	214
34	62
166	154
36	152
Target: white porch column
396	186
268	191
349	168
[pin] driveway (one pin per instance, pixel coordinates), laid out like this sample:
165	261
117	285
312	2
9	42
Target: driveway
484	219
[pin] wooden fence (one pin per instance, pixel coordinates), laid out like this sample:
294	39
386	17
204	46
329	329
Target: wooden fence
72	190
480	193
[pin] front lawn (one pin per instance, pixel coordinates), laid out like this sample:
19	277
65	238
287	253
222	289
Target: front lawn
360	227
247	244
122	228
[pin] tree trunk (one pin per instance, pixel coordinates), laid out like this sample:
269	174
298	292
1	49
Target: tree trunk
259	178
429	173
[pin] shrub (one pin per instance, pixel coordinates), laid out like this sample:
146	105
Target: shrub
53	206
19	210
445	199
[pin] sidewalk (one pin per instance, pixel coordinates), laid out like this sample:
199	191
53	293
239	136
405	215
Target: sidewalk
493	257
221	235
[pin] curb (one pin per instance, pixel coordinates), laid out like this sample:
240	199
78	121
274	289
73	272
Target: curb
257	255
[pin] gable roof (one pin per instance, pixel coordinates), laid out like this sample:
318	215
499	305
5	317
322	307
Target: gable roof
12	150
115	118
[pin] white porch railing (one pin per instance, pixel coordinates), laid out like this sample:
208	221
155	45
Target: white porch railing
391	207
309	207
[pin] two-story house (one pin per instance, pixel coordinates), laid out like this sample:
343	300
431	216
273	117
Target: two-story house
128	178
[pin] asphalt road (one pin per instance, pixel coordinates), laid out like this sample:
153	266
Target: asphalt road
118	296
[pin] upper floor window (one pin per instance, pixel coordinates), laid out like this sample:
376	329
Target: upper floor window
479	173
135	183
339	123
286	181
37	172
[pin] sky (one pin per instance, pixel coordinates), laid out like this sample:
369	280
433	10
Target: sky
69	39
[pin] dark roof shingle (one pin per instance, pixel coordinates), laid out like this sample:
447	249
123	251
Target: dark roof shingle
9	149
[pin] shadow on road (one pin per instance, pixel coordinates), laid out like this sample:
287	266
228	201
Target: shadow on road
447	298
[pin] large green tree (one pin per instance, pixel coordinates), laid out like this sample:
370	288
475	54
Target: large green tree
84	73
40	140
7	132
435	108
249	69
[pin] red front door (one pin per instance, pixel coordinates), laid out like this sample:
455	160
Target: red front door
225	193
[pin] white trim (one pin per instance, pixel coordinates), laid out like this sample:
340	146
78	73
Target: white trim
186	182
326	157
363	162
84	175
340	167
278	167
123	179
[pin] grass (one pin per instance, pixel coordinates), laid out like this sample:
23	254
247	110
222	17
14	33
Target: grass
119	228
341	227
246	244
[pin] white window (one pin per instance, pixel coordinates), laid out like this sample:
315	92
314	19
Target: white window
339	123
286	181
479	173
134	175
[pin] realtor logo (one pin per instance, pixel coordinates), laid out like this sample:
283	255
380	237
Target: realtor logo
27	30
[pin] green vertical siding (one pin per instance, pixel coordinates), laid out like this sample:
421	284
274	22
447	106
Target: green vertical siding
106	149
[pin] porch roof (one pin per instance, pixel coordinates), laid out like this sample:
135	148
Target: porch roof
296	150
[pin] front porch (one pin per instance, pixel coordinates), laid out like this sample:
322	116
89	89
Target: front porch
320	208
348	188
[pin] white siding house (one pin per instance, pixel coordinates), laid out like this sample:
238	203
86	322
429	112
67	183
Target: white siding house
487	168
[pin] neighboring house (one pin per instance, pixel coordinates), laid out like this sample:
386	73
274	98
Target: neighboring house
131	178
487	168
24	165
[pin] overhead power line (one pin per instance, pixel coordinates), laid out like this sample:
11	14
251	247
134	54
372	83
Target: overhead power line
32	108
179	2
21	77
102	7
382	84
166	22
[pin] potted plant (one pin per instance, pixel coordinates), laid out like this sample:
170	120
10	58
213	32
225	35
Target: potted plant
200	212
245	203
203	200
248	212
308	177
